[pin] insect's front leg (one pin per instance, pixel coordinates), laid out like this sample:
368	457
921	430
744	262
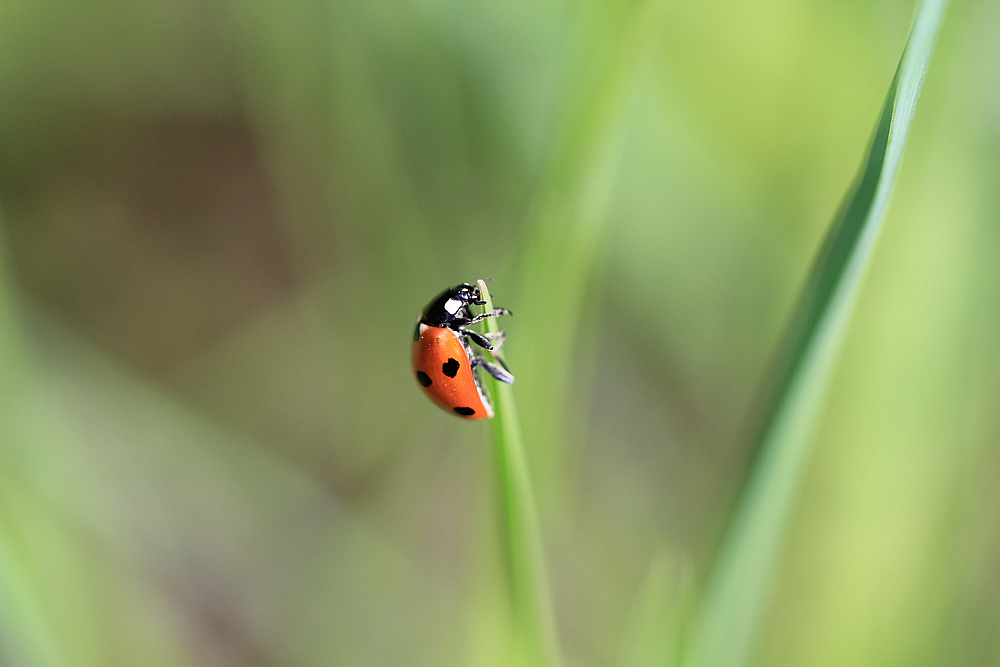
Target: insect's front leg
496	313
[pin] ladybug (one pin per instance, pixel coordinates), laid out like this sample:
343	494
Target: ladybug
443	359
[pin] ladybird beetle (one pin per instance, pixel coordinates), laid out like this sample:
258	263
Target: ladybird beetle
443	360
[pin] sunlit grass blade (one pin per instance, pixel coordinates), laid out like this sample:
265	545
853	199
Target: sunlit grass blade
531	597
736	594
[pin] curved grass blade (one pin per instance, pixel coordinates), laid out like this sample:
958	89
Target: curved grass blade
531	598
736	594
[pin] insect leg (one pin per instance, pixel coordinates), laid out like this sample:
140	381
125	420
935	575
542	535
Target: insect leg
488	340
499	373
496	313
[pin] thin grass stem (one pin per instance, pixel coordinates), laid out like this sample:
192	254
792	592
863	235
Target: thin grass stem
527	576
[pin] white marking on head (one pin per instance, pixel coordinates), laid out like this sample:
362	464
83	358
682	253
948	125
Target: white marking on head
453	306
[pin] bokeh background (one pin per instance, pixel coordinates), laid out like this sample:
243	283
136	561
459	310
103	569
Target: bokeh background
222	218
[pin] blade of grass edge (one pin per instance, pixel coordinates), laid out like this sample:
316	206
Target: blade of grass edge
736	592
531	598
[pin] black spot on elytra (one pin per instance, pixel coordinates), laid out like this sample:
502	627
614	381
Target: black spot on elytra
465	411
450	368
423	378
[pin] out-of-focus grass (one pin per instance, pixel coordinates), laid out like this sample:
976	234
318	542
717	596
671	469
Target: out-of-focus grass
206	206
567	225
658	619
734	602
26	633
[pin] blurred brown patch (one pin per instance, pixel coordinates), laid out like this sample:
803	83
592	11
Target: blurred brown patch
157	235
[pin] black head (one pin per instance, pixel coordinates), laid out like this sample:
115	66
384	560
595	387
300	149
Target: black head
452	304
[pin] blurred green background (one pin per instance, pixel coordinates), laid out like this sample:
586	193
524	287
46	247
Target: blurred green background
221	220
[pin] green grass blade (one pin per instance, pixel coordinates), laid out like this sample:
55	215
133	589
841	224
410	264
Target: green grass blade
531	598
562	240
736	594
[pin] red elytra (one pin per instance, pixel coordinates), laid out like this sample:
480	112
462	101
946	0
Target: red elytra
444	371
